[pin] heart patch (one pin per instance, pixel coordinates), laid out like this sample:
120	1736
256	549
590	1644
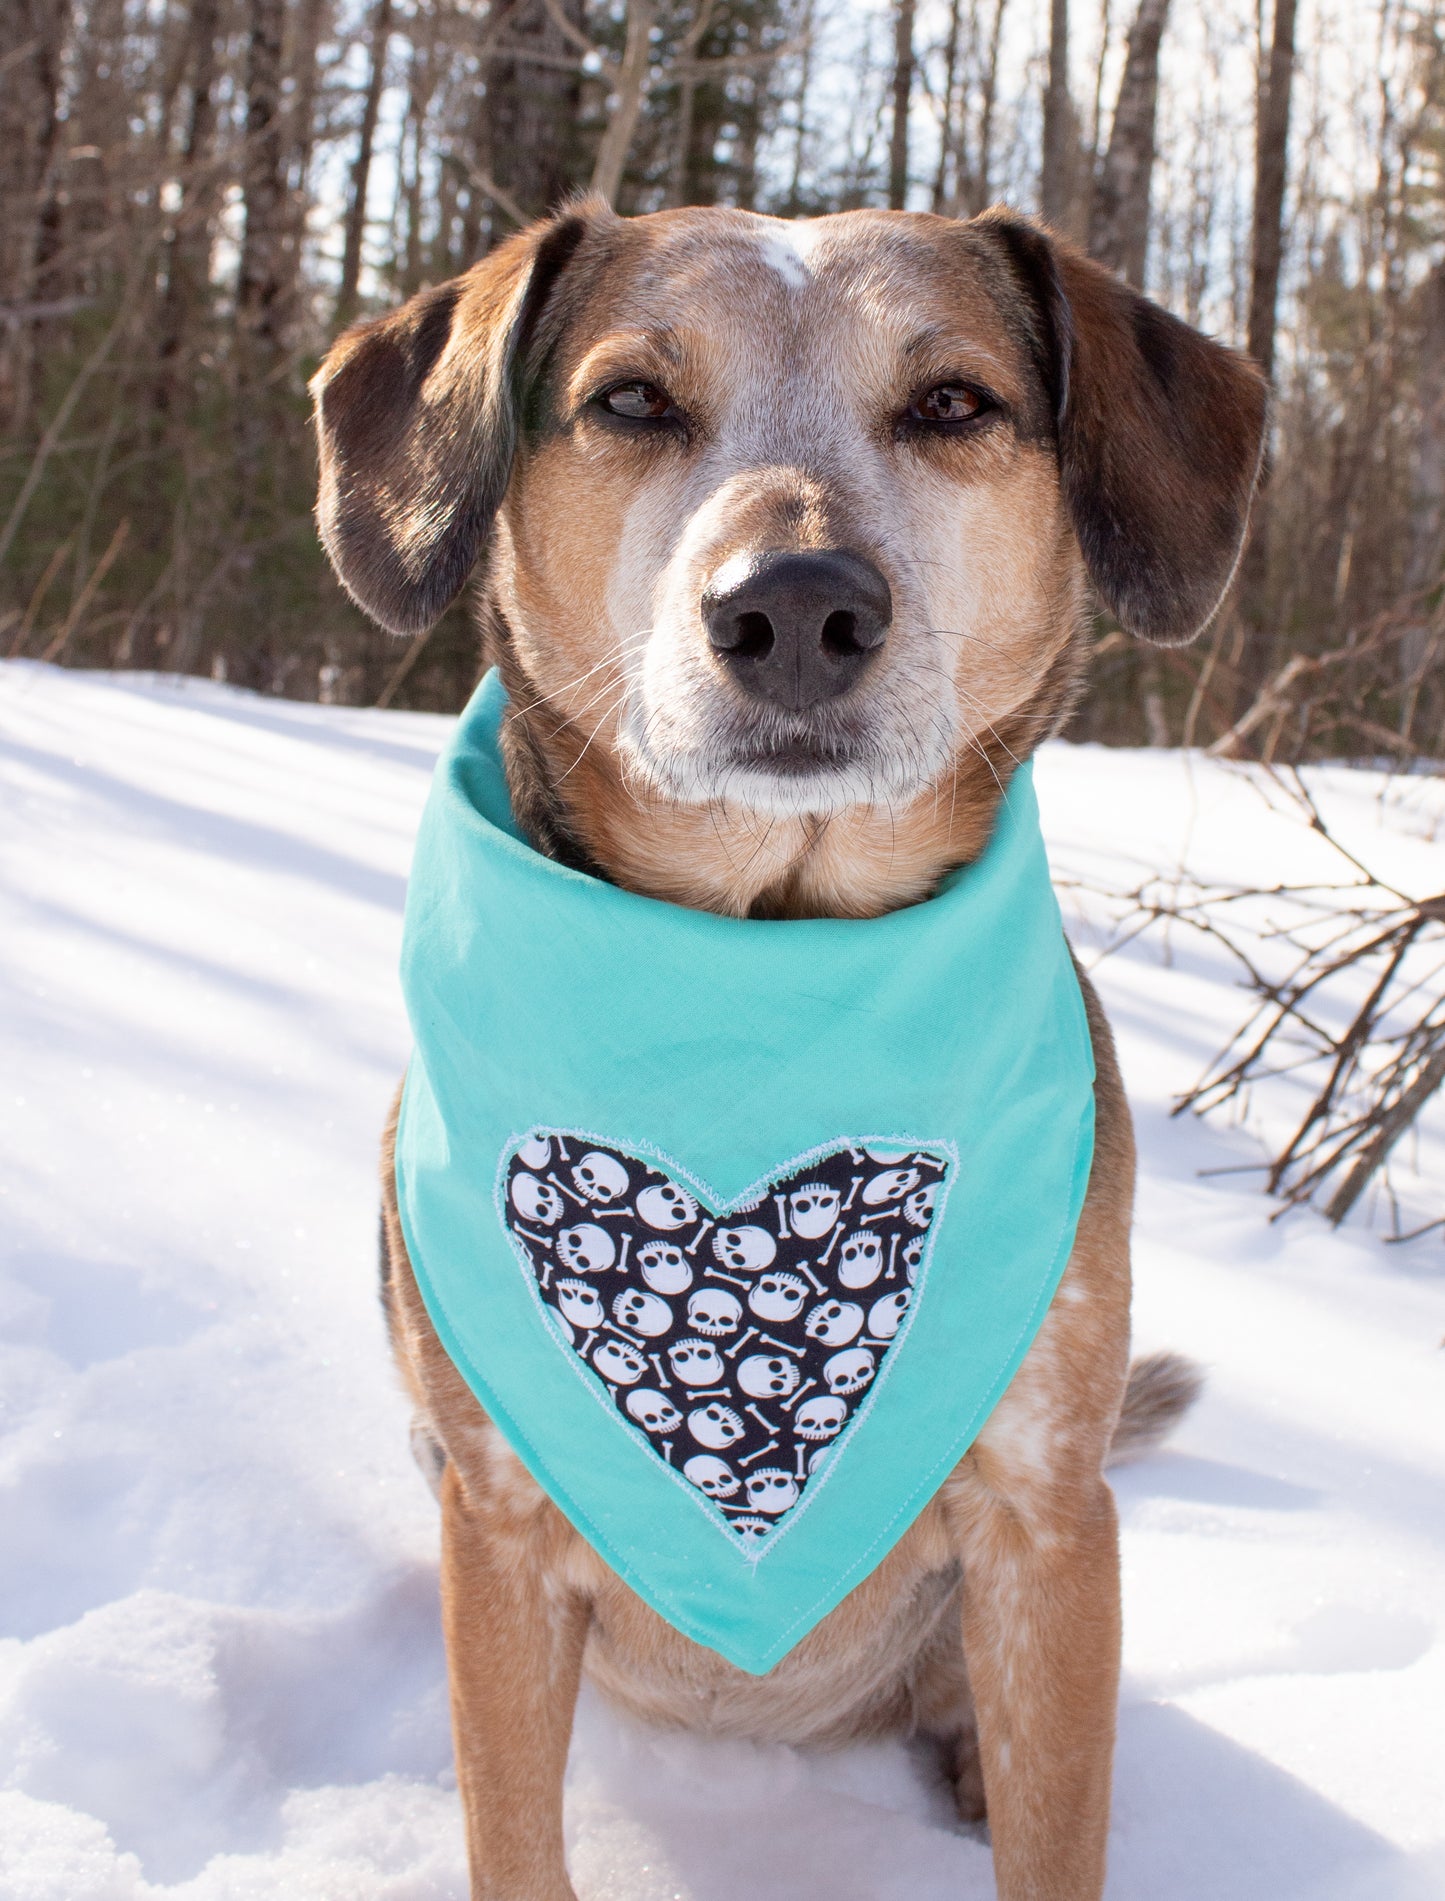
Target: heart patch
742	1346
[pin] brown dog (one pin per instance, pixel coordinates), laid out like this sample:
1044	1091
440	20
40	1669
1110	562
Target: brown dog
787	532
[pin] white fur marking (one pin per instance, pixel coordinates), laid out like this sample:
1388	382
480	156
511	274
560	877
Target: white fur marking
787	246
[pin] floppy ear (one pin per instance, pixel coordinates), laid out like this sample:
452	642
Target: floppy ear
417	417
1160	435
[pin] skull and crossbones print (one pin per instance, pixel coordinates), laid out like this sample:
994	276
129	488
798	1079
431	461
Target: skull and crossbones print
743	1346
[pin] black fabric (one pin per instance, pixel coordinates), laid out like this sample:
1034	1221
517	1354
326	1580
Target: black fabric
741	1350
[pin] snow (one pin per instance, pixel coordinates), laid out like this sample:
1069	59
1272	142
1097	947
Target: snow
221	1674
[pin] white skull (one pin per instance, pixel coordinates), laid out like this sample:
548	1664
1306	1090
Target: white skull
715	1426
918	1208
752	1531
567	1331
586	1248
860	1259
834	1322
711	1475
580	1303
744	1249
617	1361
813	1210
653	1410
666	1208
888	1157
892	1185
850	1370
819	1418
712	1311
768	1376
601	1177
771	1491
666	1270
886	1315
818	1459
696	1362
778	1296
644	1313
912	1255
534	1200
535	1152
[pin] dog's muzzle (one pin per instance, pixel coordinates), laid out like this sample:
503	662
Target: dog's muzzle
797	629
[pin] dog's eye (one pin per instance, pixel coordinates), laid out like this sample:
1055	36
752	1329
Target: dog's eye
949	403
638	402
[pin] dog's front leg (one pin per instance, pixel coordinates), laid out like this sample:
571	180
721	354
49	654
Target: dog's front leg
1041	1641
514	1648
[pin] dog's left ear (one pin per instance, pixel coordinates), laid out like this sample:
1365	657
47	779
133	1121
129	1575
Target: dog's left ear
417	419
1160	434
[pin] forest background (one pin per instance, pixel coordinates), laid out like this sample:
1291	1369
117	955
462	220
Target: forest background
196	194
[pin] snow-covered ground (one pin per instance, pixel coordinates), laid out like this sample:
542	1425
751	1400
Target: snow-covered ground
220	1668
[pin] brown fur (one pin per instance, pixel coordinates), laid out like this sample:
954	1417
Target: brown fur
1122	443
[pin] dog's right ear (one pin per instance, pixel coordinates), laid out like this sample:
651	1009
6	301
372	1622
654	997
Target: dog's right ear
417	419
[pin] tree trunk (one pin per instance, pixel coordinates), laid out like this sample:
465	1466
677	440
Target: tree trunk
982	183
947	135
533	108
1258	644
632	79
1119	227
188	252
902	102
1271	146
1056	185
348	292
262	299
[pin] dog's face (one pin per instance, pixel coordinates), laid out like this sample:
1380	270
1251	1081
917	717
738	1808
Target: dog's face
788	519
790	532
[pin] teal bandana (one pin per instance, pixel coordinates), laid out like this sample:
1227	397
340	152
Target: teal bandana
738	1230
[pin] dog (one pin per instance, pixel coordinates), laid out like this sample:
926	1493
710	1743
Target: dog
788	532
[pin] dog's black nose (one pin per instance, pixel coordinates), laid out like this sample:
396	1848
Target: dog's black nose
797	629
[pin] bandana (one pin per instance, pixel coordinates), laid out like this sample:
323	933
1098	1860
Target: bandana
737	1229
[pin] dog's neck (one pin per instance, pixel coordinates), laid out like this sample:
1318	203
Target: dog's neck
574	803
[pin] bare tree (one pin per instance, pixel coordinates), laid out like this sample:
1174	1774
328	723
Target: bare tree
1059	172
348	289
1271	151
263	280
1119	223
902	103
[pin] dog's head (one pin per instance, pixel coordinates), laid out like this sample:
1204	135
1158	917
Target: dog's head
788	518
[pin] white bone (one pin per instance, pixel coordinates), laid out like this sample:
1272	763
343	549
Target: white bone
797	1352
782	1216
692	1245
766	1424
570	1193
789	1404
656	1361
856	1184
761	1453
892	1258
827	1254
716	1274
738	1345
804	1269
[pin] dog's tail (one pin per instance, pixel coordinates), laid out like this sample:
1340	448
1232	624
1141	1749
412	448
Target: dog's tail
1162	1387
